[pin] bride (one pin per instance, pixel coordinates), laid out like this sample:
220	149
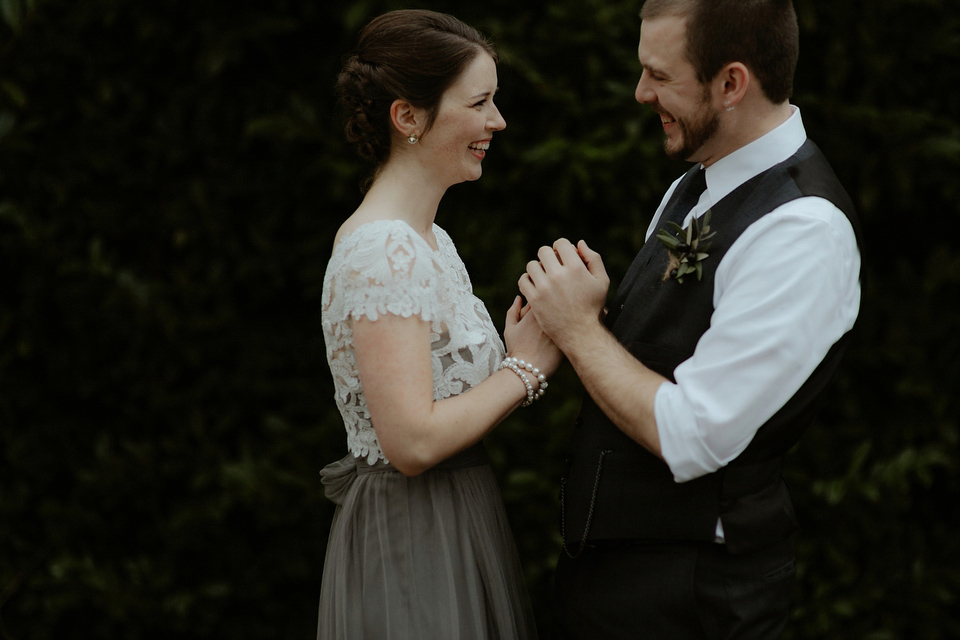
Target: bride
420	547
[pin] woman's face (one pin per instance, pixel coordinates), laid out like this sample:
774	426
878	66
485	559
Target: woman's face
465	122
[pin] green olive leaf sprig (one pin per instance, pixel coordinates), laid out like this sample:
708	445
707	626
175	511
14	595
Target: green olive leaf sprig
687	247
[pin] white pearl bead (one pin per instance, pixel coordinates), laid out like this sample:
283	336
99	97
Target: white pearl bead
520	367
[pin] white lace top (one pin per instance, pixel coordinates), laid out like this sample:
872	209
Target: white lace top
387	267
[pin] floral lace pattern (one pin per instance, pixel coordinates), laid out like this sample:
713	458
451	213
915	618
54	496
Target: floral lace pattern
385	267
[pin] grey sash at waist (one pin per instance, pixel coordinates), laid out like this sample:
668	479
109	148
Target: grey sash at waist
473	456
339	476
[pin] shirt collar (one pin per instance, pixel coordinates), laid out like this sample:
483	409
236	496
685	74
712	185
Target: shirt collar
731	171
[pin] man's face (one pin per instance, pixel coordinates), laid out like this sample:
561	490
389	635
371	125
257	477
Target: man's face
669	85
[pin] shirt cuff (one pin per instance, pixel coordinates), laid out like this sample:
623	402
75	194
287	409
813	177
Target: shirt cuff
680	443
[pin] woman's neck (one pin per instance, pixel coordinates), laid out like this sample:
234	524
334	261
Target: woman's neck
403	192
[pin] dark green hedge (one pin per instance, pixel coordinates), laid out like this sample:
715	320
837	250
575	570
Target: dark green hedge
171	175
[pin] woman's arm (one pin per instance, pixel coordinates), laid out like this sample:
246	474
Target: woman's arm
416	432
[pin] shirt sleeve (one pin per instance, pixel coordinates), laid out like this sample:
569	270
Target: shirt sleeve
387	270
784	293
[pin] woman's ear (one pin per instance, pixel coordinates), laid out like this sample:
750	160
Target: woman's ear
406	118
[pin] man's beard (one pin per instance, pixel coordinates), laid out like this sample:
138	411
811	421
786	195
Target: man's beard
694	133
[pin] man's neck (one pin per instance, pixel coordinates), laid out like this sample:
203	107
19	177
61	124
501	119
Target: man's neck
746	123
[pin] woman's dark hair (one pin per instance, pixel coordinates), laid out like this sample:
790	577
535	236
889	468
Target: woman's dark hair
762	34
410	55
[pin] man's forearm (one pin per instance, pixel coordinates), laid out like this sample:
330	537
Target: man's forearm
623	388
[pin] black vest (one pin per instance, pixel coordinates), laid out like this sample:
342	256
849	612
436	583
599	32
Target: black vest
616	489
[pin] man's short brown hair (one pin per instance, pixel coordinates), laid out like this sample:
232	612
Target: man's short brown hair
762	34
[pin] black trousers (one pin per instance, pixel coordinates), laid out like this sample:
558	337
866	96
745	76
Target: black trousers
673	591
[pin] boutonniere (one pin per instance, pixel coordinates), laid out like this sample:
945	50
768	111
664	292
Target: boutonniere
687	247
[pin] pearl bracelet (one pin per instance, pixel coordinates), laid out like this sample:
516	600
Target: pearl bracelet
521	368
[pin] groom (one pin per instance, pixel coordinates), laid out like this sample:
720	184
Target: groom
716	348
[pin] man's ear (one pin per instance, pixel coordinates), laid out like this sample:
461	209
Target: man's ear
406	118
731	84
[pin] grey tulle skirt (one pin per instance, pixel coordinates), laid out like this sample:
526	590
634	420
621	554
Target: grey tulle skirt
423	558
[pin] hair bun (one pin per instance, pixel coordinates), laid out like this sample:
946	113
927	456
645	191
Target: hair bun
359	101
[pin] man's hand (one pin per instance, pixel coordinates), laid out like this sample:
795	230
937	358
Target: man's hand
566	289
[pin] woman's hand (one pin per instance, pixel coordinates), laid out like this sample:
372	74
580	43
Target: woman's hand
566	288
526	340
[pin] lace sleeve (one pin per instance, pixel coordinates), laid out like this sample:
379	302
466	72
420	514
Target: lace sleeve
384	268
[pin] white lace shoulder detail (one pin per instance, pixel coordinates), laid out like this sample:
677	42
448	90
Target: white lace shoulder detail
385	267
381	267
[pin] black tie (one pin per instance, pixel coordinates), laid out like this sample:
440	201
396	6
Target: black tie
683	199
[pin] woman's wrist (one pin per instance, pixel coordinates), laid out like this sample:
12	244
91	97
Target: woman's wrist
533	379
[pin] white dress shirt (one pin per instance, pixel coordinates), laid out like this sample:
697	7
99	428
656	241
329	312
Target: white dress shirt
784	293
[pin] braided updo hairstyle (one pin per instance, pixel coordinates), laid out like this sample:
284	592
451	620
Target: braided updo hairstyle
411	55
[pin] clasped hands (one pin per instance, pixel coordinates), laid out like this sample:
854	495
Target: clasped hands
566	289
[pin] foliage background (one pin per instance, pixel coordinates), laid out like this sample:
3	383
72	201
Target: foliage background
171	176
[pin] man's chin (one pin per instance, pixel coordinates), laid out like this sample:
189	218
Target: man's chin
675	152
